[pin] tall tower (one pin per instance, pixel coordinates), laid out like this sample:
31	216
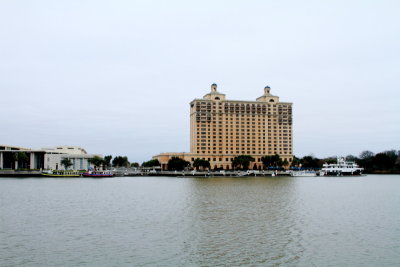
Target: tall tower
222	129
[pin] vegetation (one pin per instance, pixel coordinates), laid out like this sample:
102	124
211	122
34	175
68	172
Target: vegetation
201	163
242	162
151	163
96	161
107	161
273	161
285	163
177	164
295	162
383	162
66	162
135	165
120	161
310	162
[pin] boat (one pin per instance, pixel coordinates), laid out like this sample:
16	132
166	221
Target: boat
303	173
97	173
341	168
61	173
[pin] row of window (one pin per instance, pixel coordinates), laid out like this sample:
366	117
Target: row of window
247	152
240	105
258	159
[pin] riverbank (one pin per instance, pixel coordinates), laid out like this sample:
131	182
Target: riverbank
384	172
124	173
20	173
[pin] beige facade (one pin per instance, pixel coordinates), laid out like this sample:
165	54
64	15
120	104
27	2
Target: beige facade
222	129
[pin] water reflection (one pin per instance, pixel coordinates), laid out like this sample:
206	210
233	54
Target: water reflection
242	221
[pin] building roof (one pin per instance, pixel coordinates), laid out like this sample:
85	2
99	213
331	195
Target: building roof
7	147
72	150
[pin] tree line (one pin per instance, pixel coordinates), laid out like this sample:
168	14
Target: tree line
106	162
241	162
383	162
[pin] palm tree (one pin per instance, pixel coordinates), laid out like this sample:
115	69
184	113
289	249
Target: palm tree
151	163
242	161
178	164
96	161
285	163
272	161
66	162
201	163
107	161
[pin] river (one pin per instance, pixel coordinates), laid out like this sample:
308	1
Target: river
159	221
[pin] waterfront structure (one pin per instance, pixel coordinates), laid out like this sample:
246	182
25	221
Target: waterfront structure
45	158
221	129
341	168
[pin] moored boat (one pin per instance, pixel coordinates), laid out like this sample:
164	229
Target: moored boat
341	168
98	174
61	173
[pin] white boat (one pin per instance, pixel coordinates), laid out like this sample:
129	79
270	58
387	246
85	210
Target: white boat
98	173
61	173
341	168
303	173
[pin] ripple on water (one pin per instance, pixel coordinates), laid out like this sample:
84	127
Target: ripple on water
149	221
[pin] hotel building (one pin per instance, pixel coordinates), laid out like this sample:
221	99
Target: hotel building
221	129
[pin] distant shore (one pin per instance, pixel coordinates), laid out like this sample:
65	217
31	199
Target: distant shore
38	173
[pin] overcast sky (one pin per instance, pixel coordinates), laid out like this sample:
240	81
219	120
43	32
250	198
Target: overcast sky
116	77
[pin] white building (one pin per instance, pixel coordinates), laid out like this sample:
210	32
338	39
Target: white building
45	158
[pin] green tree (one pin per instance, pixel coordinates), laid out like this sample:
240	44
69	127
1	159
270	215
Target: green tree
66	162
107	161
272	161
366	154
311	162
366	160
205	164
382	161
242	161
120	161
197	163
178	164
285	163
397	163
151	163
351	158
331	160
135	164
295	162
201	163
96	161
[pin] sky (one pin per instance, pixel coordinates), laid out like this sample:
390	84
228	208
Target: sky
116	77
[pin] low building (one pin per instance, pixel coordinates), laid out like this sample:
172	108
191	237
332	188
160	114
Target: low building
13	157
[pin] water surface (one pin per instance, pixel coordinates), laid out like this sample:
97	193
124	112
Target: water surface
159	221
